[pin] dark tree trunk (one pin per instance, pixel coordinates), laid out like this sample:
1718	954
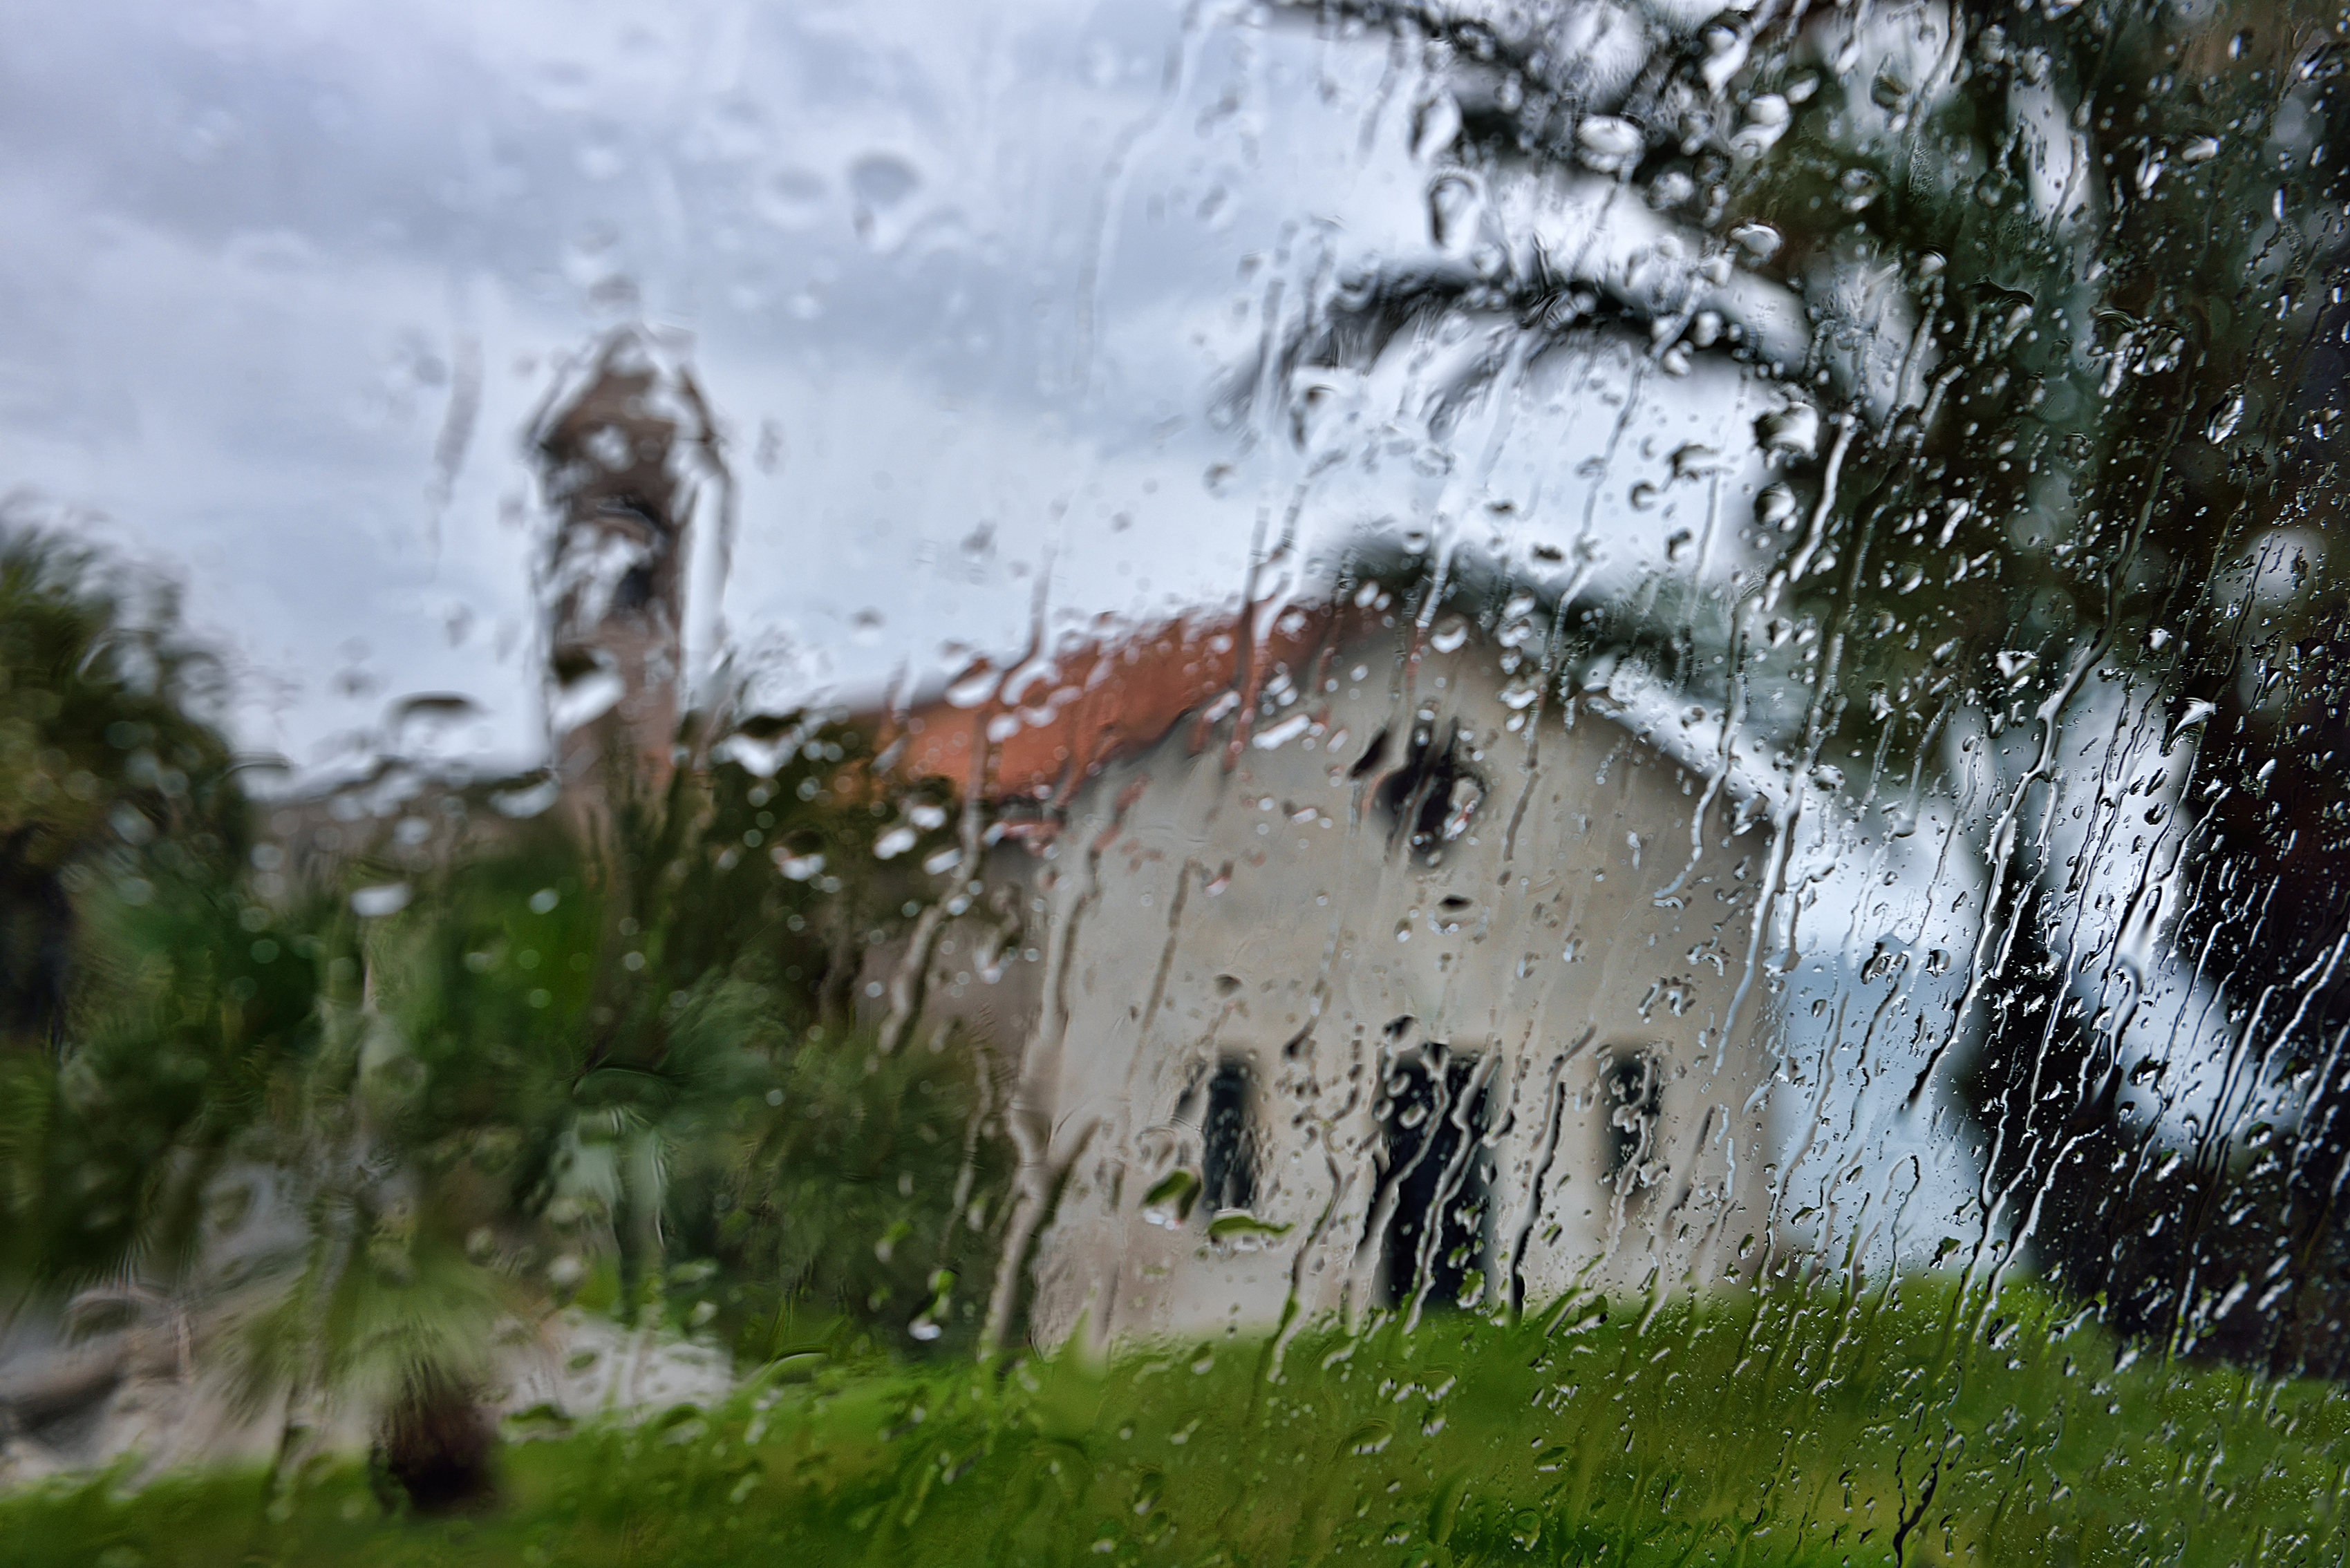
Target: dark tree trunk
2264	1208
36	945
437	1448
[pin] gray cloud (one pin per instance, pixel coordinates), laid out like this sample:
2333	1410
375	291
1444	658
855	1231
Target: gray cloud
967	277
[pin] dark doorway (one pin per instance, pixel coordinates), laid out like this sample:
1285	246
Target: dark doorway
1433	1123
1631	1098
1228	1140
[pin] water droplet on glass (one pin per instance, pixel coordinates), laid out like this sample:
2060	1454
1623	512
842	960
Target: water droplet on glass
383	899
1608	145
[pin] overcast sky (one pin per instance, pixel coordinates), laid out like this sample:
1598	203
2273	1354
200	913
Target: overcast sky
962	280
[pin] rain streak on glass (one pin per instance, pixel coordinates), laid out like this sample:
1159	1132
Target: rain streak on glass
1249	782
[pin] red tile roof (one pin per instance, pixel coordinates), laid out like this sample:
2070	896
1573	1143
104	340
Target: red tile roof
1052	720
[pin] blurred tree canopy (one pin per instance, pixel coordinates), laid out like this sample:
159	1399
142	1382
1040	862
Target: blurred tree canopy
109	767
2072	279
631	1074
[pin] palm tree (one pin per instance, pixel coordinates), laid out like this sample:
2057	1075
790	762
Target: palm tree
2032	521
560	1059
561	1065
119	810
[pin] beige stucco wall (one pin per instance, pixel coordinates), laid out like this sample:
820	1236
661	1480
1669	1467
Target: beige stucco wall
1200	907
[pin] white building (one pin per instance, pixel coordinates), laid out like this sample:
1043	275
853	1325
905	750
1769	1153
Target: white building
1366	973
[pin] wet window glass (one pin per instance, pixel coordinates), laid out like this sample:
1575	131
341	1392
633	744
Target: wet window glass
1239	783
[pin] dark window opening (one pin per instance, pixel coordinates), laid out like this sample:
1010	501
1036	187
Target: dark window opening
1631	1098
1434	1125
634	591
649	518
1227	1140
1430	799
573	665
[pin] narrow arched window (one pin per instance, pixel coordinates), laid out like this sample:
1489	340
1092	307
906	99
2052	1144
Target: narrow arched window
1228	1153
1631	1100
1433	1118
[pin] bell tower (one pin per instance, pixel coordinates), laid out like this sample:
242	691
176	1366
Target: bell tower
630	468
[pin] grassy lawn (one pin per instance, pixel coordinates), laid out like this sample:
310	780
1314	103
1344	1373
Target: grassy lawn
1814	1429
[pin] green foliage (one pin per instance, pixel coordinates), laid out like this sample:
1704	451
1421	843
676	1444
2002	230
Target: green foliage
101	706
634	1067
1807	1427
194	1005
111	774
867	1193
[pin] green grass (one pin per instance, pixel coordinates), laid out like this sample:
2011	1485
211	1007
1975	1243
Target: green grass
1816	1429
